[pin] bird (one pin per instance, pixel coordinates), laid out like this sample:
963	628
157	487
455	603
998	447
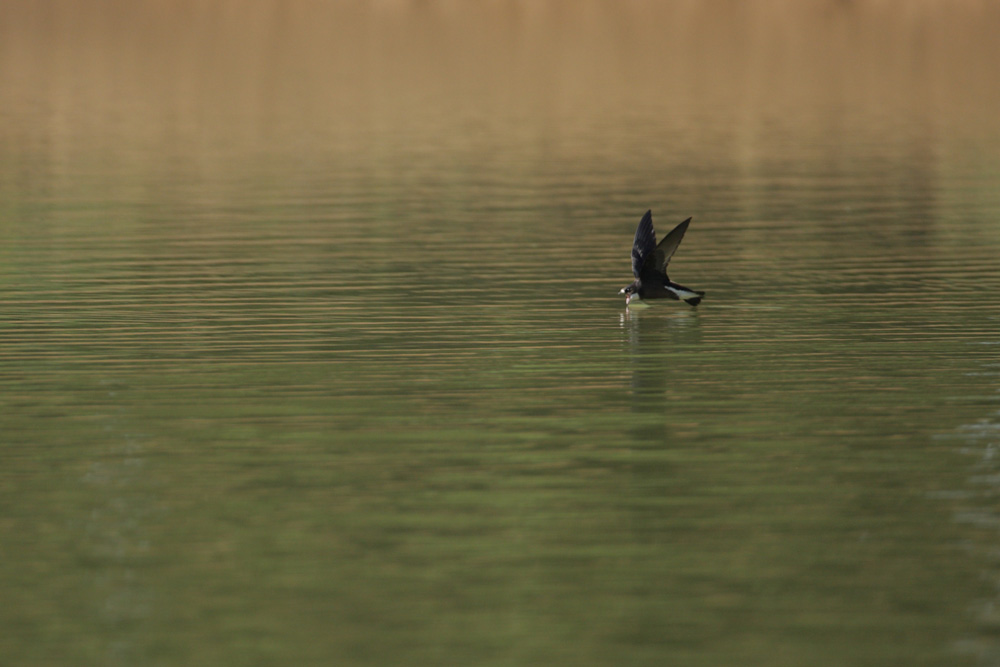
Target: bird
649	265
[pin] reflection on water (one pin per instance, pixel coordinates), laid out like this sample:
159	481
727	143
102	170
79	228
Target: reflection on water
311	349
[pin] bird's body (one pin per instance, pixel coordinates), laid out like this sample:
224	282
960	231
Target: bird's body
649	265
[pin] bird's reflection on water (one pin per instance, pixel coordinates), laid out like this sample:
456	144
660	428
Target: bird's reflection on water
656	337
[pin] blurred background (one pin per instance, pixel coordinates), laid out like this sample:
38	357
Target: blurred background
311	350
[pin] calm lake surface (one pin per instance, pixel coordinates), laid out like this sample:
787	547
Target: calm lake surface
311	350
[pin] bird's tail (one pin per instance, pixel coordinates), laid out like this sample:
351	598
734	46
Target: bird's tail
685	294
694	300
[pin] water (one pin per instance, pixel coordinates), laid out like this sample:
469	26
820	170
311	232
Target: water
311	350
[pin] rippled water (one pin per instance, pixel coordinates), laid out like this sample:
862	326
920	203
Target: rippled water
311	350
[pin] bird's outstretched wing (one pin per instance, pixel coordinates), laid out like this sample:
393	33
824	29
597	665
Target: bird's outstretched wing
667	247
645	243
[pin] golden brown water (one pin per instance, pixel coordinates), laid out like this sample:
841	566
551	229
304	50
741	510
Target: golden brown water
310	348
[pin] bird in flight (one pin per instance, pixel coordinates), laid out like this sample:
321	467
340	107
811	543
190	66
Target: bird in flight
649	265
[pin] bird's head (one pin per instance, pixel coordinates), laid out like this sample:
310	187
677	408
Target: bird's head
630	292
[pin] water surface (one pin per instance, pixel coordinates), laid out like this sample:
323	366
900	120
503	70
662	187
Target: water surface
310	348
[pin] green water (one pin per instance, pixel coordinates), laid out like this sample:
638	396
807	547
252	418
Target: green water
319	380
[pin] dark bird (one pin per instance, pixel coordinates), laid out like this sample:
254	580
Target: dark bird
649	265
